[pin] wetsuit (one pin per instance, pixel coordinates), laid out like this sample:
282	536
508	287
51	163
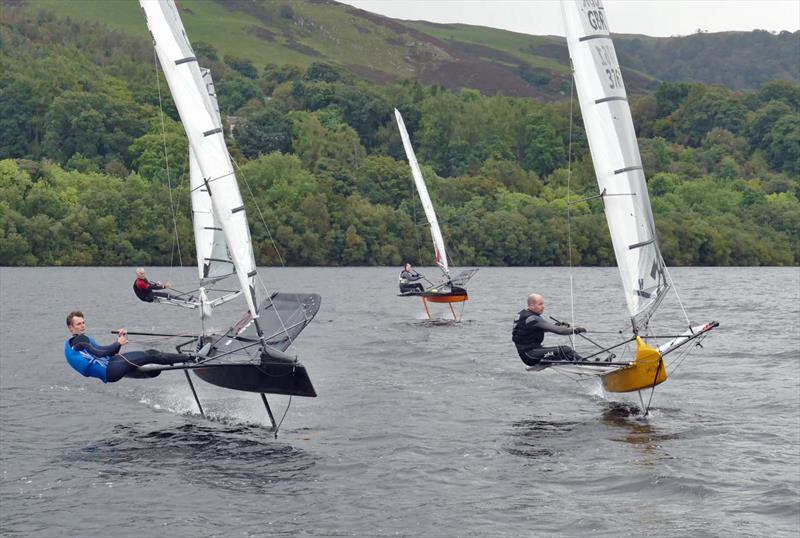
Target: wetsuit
406	279
90	359
528	334
143	289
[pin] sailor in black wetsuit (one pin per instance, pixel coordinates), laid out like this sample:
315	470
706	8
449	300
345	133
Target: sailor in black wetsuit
106	363
528	333
408	280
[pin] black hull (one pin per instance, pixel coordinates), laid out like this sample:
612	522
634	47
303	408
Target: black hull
272	378
454	292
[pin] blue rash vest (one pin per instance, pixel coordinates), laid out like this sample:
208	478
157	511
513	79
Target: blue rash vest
85	363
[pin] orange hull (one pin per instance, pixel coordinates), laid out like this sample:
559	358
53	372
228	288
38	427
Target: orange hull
447	299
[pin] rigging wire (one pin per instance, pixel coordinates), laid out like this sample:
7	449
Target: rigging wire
569	218
274	246
260	214
675	289
176	240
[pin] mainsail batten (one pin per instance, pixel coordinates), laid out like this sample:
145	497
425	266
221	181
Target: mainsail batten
206	139
615	155
422	189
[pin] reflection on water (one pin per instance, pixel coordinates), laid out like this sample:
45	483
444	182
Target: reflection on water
536	438
638	430
238	458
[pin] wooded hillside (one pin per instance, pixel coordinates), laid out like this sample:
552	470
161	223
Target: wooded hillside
84	180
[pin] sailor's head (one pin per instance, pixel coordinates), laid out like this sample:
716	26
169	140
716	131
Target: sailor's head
76	323
535	303
408	267
140	272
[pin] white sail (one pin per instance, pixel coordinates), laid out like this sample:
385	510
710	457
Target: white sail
436	233
615	154
205	135
213	261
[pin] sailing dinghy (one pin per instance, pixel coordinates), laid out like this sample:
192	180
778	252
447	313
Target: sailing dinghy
250	356
450	289
620	176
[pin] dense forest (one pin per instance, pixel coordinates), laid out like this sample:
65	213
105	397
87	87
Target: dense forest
94	163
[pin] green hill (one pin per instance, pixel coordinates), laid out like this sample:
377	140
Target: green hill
93	158
456	56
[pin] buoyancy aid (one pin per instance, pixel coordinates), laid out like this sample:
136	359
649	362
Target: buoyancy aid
85	363
527	335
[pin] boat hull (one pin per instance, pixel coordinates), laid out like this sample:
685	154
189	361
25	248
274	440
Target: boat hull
645	372
270	377
635	377
446	298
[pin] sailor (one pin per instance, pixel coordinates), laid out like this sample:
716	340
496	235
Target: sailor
408	280
106	363
528	333
143	288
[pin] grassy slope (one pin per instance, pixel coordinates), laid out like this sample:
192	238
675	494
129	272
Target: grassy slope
341	35
205	20
511	43
379	48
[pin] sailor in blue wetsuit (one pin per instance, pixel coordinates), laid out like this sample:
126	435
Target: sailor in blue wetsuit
408	280
528	334
106	363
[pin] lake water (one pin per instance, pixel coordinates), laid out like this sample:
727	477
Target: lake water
418	430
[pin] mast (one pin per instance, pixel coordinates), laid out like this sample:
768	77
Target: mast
206	138
615	155
427	205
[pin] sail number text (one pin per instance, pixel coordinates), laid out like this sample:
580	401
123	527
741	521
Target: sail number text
595	14
609	61
614	78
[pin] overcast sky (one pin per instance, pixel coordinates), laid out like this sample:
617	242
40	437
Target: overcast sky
649	17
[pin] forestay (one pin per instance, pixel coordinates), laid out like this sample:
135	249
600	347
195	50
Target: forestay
436	233
615	154
206	139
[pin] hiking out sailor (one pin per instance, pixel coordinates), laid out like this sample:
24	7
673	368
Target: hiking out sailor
408	280
528	334
144	289
108	363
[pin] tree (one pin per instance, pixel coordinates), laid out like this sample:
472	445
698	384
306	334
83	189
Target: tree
264	132
243	66
703	110
783	145
91	124
545	150
321	72
383	180
16	117
234	92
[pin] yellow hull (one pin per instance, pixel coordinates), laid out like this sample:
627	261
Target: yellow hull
646	371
